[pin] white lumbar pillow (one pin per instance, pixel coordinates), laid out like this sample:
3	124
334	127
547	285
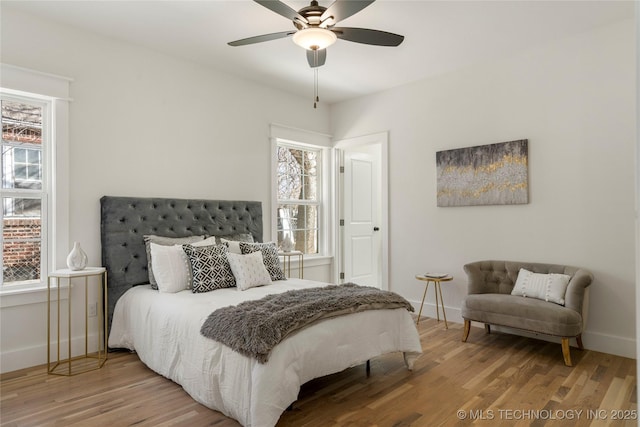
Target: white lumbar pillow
249	270
547	287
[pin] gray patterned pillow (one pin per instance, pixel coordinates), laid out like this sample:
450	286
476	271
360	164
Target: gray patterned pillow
238	237
209	267
269	257
164	241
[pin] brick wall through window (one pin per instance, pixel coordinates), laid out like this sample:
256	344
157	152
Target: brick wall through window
21	252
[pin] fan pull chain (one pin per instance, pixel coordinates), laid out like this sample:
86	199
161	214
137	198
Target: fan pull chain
316	98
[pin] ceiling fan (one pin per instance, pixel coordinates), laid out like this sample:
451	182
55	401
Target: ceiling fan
316	30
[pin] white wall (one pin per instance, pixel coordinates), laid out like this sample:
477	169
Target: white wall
144	124
574	101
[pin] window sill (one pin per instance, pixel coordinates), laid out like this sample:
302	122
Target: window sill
36	294
313	260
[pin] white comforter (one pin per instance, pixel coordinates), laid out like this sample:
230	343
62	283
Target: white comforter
164	329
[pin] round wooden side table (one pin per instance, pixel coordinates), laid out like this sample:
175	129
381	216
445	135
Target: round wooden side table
438	290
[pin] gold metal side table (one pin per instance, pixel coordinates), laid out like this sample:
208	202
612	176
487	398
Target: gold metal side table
286	261
436	282
82	362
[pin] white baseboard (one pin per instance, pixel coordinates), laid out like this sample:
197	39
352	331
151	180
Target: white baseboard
604	343
28	357
620	346
23	358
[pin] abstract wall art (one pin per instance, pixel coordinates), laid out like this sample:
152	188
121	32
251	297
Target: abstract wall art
493	174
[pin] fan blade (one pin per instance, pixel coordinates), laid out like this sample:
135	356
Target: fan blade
342	9
367	36
262	38
316	58
282	9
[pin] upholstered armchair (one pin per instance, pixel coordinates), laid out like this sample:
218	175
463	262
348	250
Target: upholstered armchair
490	300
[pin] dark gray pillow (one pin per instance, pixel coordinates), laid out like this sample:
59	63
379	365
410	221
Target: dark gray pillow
164	241
269	257
210	268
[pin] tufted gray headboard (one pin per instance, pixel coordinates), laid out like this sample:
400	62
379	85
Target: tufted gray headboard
124	220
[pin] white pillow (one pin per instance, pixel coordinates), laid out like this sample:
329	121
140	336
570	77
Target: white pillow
249	270
547	287
171	267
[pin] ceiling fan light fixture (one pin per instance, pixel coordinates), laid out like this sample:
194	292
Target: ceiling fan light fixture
314	38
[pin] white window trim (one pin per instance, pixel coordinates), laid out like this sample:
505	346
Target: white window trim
312	140
51	88
46	105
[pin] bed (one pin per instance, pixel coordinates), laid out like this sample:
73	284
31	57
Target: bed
164	328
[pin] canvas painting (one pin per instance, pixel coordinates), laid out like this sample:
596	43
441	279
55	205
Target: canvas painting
493	174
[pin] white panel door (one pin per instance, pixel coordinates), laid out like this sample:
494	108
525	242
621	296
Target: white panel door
361	211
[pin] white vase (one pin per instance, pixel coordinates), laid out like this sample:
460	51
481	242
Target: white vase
287	244
77	259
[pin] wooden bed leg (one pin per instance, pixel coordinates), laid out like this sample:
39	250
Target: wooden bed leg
566	351
487	328
466	330
368	368
579	341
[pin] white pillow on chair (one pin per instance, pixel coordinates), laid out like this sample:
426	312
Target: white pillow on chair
547	287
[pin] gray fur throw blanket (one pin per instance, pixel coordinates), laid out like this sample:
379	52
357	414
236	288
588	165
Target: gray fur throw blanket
254	328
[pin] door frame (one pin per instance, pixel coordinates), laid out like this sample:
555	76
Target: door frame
382	139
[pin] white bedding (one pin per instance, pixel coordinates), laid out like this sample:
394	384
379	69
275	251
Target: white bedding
164	329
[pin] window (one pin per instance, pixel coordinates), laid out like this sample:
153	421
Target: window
27	167
25	137
299	196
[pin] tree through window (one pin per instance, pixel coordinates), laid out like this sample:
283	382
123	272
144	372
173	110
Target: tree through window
298	197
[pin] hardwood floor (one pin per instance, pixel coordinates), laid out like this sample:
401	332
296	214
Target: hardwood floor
496	380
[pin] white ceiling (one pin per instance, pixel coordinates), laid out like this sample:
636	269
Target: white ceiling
440	36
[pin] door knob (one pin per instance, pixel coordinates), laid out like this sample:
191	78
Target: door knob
376	228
